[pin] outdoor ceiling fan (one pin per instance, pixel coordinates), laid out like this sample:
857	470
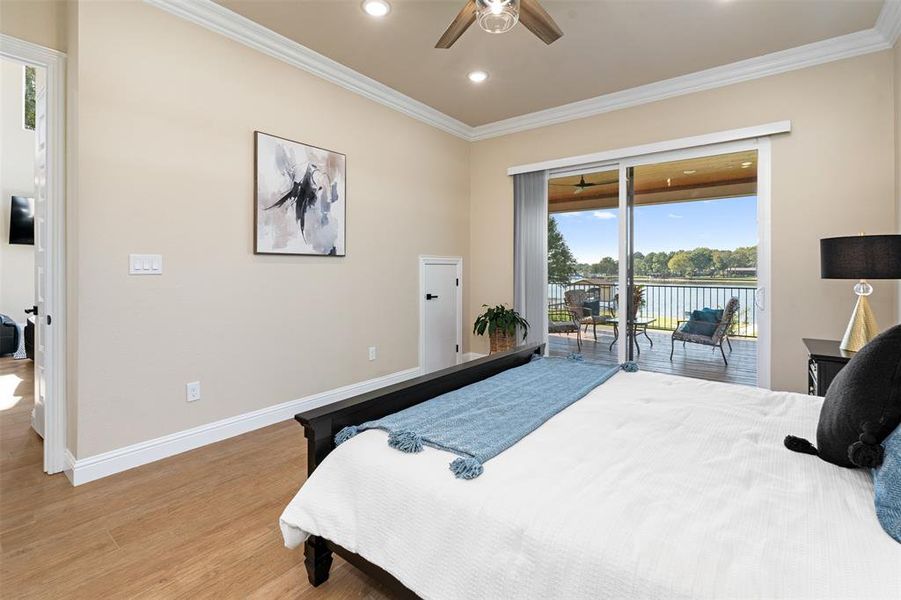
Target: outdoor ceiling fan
580	187
499	16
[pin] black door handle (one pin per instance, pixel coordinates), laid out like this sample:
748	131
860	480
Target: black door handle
430	297
32	311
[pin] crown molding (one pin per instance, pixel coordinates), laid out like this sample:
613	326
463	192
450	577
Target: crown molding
889	22
215	17
809	55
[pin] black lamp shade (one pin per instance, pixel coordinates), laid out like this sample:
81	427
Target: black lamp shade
861	257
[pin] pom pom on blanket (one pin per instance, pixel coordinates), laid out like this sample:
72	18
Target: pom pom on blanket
345	434
405	441
796	444
866	455
576	356
466	468
630	367
866	452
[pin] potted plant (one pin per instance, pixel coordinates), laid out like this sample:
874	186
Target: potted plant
638	300
500	322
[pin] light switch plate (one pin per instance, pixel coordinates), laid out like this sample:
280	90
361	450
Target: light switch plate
145	264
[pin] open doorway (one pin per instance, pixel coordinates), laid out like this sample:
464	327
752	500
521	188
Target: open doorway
23	412
688	229
32	257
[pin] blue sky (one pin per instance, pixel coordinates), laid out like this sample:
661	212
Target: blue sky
722	224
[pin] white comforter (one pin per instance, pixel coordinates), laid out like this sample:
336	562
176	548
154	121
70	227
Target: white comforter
651	486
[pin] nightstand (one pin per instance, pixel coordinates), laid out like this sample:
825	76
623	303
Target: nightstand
824	360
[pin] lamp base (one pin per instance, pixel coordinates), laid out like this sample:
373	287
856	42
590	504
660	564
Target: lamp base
862	328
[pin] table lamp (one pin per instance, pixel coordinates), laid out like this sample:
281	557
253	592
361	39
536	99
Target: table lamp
861	257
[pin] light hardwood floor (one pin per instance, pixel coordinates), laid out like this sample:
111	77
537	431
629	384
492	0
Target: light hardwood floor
203	524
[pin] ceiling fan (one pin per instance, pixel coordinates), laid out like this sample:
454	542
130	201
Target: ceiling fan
499	16
580	187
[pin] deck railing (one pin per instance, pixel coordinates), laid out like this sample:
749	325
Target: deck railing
668	303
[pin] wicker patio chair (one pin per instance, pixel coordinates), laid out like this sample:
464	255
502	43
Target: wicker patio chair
720	332
562	319
576	299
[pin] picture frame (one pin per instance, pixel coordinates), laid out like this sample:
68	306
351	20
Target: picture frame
300	198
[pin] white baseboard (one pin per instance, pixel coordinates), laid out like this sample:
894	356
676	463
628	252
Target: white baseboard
83	470
472	356
69	466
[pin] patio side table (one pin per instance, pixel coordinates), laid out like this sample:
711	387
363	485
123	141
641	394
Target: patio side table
639	326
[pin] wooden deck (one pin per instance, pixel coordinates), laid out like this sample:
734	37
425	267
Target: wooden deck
692	361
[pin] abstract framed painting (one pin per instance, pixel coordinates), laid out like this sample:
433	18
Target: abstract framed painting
299	198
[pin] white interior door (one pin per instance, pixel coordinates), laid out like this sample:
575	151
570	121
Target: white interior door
441	310
41	258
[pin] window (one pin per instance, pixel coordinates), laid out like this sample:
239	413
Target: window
29	98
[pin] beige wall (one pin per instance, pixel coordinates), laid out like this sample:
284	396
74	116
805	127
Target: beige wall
160	149
16	178
165	119
40	22
833	175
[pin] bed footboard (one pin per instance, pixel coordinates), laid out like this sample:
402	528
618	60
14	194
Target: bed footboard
317	560
321	424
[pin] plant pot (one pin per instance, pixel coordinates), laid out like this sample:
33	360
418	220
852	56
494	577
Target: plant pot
501	341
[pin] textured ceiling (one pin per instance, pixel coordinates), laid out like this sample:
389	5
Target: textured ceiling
607	45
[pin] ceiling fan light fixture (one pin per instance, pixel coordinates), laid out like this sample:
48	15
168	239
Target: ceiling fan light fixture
497	16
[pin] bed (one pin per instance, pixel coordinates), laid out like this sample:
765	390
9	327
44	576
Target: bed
649	486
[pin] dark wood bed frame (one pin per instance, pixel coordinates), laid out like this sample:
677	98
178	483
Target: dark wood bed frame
321	424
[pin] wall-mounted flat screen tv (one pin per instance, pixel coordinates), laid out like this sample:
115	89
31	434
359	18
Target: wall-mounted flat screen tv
21	221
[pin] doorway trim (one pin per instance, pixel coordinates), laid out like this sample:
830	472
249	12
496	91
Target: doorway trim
425	260
588	162
55	417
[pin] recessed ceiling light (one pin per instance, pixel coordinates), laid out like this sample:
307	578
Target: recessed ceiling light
376	8
690	172
478	76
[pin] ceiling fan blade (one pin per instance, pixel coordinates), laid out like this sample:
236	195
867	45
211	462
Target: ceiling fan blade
538	21
461	23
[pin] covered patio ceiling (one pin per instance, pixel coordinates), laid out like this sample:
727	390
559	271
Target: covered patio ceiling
708	177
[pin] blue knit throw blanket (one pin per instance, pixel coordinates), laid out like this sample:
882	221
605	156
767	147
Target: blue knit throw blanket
483	419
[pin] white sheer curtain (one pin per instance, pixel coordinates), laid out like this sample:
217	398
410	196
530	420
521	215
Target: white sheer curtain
530	251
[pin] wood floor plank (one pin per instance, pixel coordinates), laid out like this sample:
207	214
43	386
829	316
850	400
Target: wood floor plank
203	524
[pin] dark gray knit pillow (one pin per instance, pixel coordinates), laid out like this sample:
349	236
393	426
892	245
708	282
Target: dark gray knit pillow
862	406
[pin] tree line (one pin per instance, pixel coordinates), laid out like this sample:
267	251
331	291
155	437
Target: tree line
698	262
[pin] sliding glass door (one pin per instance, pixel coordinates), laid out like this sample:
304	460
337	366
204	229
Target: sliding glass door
657	259
692	264
583	262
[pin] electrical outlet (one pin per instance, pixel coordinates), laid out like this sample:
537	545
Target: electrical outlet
192	391
372	353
